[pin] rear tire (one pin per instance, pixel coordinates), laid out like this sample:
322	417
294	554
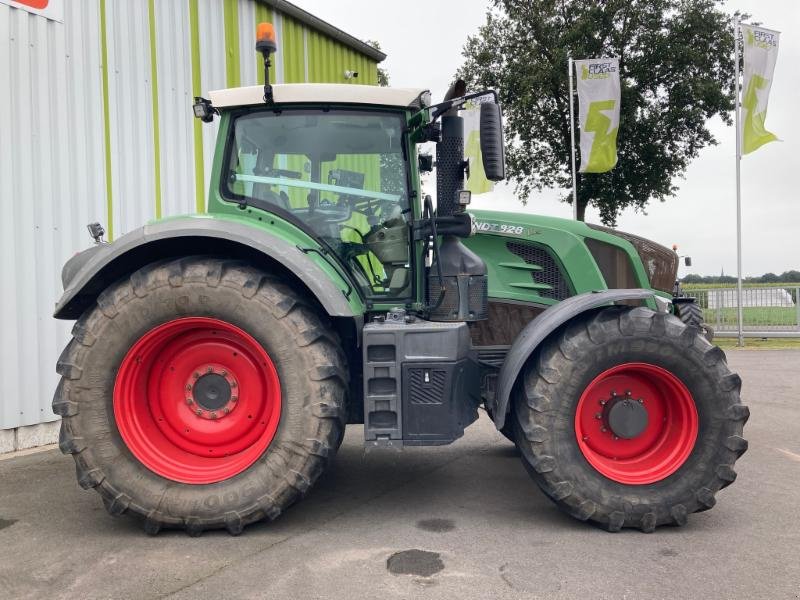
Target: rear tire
116	396
671	368
691	315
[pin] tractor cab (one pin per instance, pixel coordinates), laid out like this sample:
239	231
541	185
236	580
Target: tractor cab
338	169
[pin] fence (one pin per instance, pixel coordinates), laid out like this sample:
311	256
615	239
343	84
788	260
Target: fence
766	311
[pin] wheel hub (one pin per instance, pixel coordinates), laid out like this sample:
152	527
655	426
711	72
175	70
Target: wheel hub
625	417
212	392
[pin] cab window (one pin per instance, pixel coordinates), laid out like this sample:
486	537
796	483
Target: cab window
343	174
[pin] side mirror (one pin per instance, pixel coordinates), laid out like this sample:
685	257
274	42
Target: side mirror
492	146
687	260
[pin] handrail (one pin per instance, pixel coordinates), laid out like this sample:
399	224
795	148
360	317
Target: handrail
323	187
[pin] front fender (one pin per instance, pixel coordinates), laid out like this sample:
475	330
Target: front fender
541	327
86	274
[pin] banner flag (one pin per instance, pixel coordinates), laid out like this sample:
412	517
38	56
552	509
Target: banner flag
598	113
760	54
476	182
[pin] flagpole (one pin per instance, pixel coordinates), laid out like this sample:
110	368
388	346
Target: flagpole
572	140
737	110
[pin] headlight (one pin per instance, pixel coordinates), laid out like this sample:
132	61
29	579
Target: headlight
660	263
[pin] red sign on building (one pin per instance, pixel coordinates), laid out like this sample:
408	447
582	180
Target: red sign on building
50	9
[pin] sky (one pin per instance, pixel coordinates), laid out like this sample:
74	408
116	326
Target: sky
423	41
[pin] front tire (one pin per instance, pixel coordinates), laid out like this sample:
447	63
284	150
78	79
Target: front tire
641	464
201	394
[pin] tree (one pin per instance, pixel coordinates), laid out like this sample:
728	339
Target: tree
383	74
676	72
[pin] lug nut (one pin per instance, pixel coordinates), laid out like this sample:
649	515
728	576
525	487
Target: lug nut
196	375
628	393
233	384
234	398
603	429
211	370
198	412
223	373
602	402
598	416
188	387
213	415
189	401
226	410
641	401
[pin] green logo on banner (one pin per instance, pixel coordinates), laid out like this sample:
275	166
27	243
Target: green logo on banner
754	134
603	155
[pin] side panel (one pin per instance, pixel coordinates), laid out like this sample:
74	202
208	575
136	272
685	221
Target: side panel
540	328
564	240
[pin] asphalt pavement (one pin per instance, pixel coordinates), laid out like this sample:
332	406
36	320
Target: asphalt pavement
462	521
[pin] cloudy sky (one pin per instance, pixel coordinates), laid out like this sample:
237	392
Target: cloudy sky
423	41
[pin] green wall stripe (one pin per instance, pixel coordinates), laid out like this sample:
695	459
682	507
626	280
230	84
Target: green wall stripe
292	48
106	122
199	174
328	60
263	14
151	12
232	63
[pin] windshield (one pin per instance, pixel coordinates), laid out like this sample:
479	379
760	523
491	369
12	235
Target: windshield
343	174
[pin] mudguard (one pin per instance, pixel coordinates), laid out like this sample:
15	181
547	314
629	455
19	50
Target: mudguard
542	326
78	273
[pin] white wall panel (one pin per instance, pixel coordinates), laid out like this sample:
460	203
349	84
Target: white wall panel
247	43
51	185
212	69
131	114
174	63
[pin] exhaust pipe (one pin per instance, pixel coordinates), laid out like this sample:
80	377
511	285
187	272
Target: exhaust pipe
457	282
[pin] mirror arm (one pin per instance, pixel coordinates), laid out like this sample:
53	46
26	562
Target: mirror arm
437	110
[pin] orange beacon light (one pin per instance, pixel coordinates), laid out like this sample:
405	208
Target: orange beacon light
266	45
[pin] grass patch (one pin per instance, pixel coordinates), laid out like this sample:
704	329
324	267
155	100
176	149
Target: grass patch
759	343
753	315
715	286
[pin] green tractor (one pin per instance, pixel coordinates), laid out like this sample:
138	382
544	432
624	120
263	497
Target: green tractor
216	358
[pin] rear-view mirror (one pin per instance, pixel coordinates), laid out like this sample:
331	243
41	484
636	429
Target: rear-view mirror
492	146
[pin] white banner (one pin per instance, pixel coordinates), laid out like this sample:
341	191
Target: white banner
598	113
50	9
760	54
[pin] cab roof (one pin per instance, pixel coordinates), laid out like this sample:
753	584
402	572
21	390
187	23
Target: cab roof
333	93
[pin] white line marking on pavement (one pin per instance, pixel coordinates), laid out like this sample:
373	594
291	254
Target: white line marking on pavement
791	455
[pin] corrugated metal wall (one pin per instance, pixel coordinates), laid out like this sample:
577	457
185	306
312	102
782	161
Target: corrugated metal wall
97	126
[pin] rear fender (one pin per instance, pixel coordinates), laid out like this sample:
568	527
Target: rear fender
537	331
88	273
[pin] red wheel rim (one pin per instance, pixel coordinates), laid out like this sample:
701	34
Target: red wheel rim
197	400
664	443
